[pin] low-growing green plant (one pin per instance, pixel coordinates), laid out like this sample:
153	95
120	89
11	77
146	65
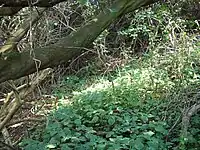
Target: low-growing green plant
104	127
138	107
126	111
111	114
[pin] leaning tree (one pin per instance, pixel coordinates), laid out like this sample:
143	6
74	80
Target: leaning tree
15	64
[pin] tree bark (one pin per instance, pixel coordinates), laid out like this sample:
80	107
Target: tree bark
9	11
16	36
15	65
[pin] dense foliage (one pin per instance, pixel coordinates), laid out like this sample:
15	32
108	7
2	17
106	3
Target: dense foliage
128	111
136	106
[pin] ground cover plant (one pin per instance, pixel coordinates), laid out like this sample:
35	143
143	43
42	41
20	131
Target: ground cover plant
134	108
136	87
139	105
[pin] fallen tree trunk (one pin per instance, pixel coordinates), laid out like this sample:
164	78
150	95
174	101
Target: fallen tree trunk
16	36
15	65
9	11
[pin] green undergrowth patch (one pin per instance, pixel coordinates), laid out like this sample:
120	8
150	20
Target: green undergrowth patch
101	120
132	109
137	107
194	132
114	112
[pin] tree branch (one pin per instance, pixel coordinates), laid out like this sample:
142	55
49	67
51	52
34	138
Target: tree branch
16	36
187	116
9	11
15	65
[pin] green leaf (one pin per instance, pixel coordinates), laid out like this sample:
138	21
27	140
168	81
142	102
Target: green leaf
138	144
144	118
113	10
150	133
160	129
65	147
109	134
124	140
95	119
153	145
77	122
51	146
54	141
75	139
101	146
83	2
111	120
116	146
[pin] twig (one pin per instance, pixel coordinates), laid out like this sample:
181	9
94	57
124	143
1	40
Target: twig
8	112
26	119
12	111
6	136
172	128
10	147
187	116
7	99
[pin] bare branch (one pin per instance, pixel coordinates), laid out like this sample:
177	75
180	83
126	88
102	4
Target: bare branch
19	34
16	65
187	116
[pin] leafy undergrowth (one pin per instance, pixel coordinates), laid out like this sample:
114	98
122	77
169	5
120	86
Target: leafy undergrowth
135	108
104	116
